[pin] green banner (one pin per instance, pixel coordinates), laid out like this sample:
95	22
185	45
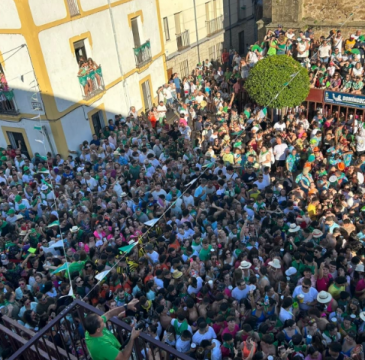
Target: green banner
83	80
137	50
9	95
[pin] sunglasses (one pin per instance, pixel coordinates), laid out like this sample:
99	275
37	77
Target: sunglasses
305	287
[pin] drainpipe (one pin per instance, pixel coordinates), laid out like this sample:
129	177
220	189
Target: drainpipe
125	88
230	24
196	30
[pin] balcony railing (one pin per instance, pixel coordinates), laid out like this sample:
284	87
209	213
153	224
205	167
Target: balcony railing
183	40
7	103
72	321
142	54
91	83
214	26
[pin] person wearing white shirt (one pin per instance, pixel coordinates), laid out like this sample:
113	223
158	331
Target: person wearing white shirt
241	291
183	343
280	150
286	310
215	349
308	294
161	109
188	199
158	191
204	332
195	285
280	126
91	183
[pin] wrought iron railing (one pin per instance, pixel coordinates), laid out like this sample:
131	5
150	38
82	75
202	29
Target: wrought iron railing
142	54
7	103
215	25
183	40
66	333
91	83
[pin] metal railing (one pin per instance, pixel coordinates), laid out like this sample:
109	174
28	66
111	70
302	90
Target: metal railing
21	332
183	40
73	7
92	83
142	54
66	332
7	103
215	25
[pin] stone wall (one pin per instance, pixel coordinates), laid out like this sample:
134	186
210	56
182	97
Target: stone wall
336	11
321	15
286	10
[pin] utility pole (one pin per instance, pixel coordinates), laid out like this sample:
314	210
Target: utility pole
127	100
196	30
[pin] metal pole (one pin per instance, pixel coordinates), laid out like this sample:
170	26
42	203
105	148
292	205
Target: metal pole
127	99
230	24
196	30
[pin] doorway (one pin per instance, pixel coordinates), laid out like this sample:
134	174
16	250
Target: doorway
241	45
16	139
147	99
97	120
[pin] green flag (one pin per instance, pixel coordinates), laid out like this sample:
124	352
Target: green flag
53	224
61	268
209	165
128	248
237	144
46	183
238	133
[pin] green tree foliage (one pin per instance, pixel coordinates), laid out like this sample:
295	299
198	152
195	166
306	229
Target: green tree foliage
275	75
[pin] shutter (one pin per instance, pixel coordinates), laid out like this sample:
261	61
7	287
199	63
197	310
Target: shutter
136	38
177	24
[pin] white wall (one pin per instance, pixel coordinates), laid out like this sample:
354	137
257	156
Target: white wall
114	103
46	11
32	134
61	62
18	63
9	18
92	4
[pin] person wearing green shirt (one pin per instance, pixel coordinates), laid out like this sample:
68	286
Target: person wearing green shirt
204	253
101	343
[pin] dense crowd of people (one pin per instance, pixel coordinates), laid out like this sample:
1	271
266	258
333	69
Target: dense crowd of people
335	62
226	234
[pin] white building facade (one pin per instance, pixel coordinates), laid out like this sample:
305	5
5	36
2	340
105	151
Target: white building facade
193	32
70	65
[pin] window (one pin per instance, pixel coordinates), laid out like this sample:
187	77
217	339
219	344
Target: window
80	50
166	28
179	23
16	139
219	50
212	53
241	11
184	69
97	122
207	11
73	7
135	31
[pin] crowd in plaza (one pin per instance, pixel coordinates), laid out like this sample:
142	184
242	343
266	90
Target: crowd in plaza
230	235
335	62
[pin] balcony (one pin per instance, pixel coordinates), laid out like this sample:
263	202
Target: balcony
214	26
42	345
7	103
142	54
91	82
183	40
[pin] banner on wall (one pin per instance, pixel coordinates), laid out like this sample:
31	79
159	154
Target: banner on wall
344	99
